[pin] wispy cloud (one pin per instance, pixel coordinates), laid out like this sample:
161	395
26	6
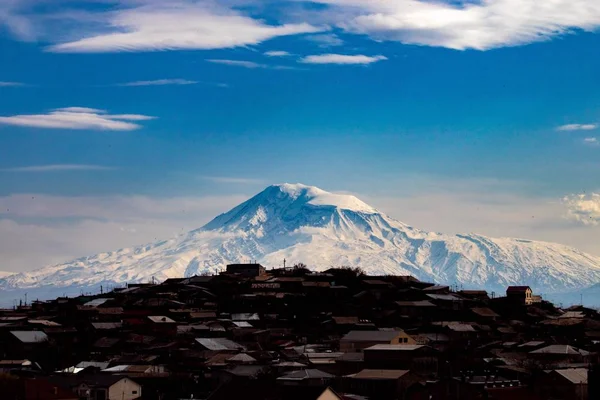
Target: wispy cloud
577	127
248	64
461	25
160	82
583	208
77	118
277	53
591	141
176	25
341	59
225	179
238	63
59	168
325	39
11	84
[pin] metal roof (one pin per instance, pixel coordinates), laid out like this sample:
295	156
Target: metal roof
30	336
96	302
161	319
396	347
575	375
305	374
370	336
560	349
217	344
383	374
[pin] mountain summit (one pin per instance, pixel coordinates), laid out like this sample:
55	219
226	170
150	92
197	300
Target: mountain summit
302	223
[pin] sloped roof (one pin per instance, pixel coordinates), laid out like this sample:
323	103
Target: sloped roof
380	374
444	297
517	289
107	325
161	319
96	302
305	374
242	358
484	312
396	347
370	336
30	336
575	375
218	344
560	349
420	303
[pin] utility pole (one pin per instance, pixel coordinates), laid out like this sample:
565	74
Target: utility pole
284	260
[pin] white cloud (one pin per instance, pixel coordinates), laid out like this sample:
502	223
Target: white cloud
177	25
238	63
277	53
160	82
341	59
583	208
58	167
591	141
480	25
77	118
226	179
10	84
325	39
577	127
247	64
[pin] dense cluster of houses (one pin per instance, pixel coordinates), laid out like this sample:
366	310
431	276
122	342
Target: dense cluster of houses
253	333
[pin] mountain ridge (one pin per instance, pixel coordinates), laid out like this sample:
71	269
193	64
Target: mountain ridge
306	224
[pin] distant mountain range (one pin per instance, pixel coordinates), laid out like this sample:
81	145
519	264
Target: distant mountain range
301	223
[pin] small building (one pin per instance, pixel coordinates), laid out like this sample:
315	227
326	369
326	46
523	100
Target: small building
520	294
248	270
417	358
567	384
380	383
359	340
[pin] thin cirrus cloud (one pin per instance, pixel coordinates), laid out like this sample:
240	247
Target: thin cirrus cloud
177	25
248	64
341	59
480	25
59	168
583	208
591	141
325	39
77	118
11	84
277	53
160	82
577	127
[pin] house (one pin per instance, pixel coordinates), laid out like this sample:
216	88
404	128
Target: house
380	383
560	353
358	340
520	294
42	388
247	270
220	344
305	377
107	387
418	358
565	384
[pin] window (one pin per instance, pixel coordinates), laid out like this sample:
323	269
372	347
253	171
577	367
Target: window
134	392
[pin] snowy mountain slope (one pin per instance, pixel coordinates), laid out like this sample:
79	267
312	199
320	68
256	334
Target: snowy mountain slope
4	274
306	224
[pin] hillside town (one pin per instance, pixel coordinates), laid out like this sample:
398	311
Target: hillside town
289	333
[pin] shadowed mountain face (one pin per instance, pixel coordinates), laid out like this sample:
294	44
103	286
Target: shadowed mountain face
306	224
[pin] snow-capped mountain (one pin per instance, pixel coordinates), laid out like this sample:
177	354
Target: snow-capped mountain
4	274
305	224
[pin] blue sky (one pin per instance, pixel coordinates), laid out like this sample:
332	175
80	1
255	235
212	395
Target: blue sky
427	110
